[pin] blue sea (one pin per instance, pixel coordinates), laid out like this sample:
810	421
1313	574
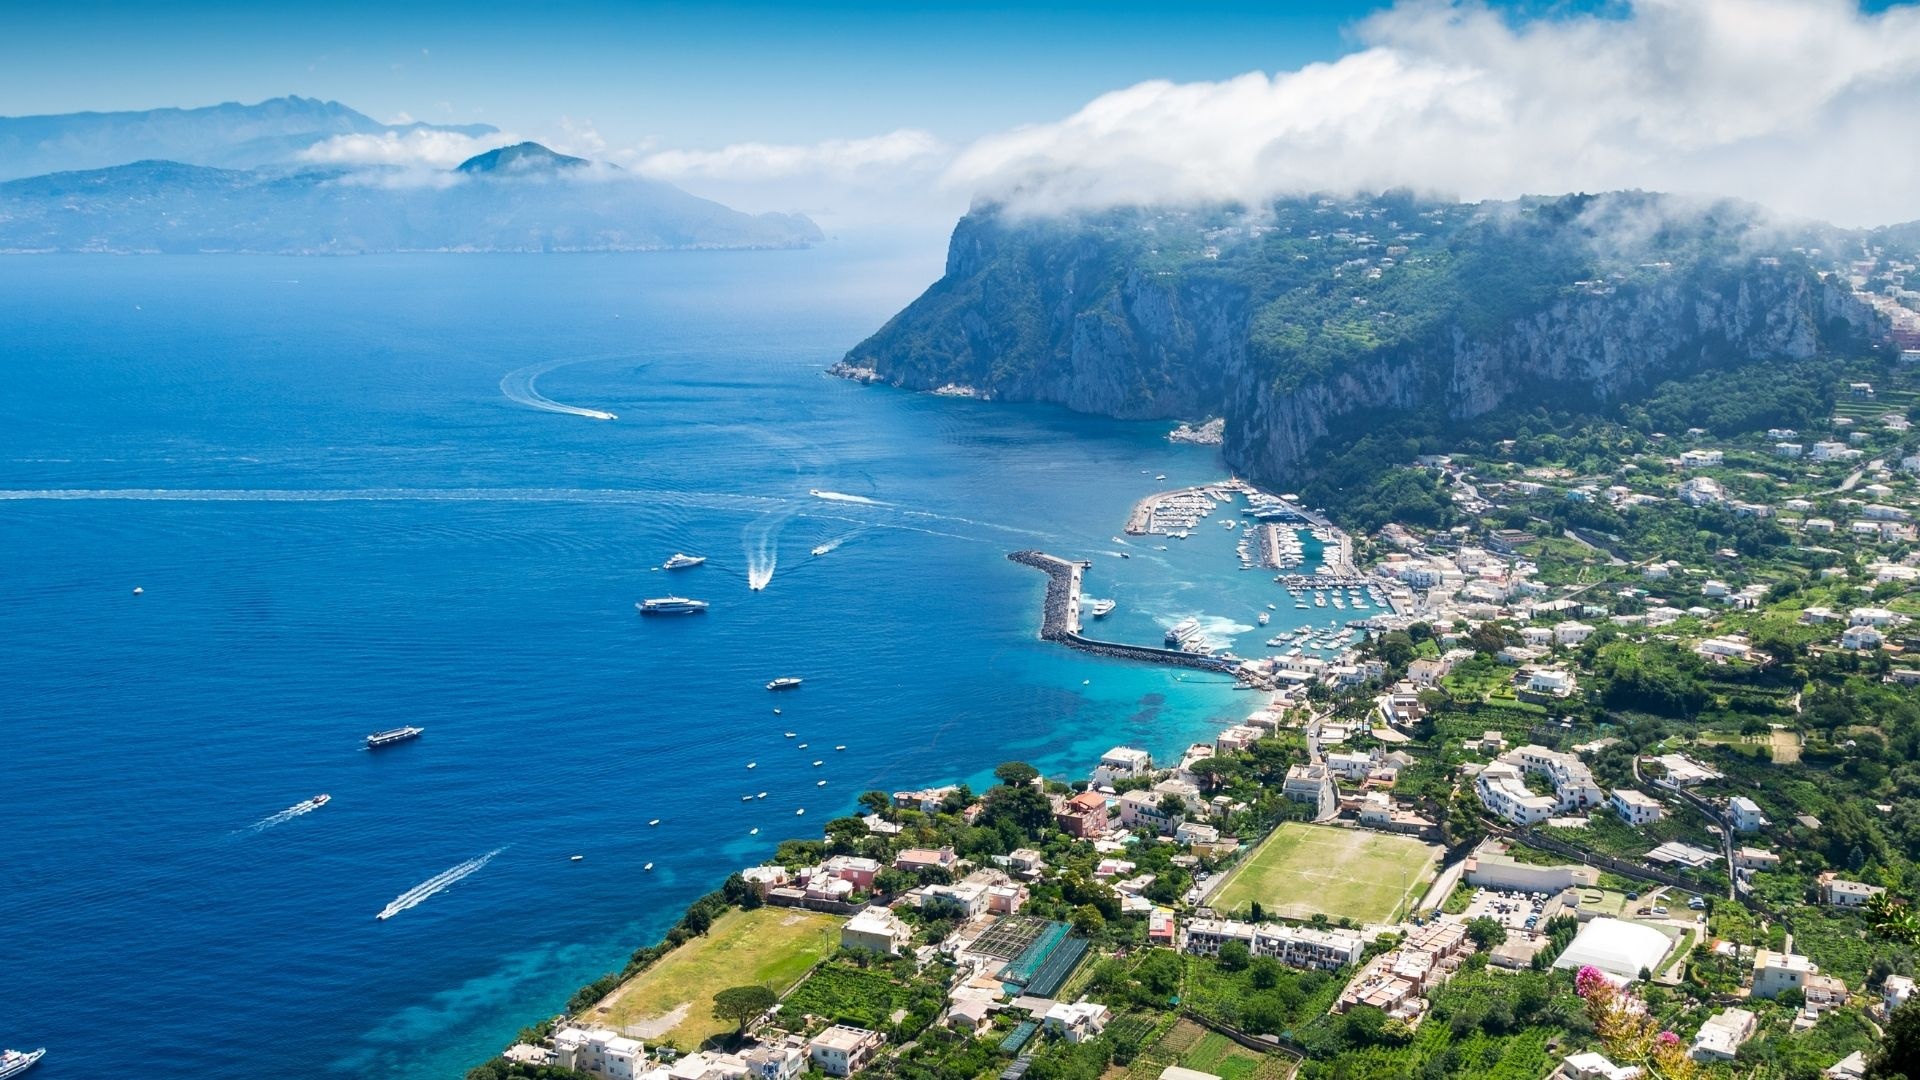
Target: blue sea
360	493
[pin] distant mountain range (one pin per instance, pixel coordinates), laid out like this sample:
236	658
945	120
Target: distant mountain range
517	198
231	136
230	178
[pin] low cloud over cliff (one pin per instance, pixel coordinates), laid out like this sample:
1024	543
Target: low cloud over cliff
1803	105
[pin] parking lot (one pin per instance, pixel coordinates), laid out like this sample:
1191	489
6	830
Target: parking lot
1513	909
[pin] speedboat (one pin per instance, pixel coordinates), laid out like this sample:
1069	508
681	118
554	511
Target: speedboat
655	821
802	746
820	783
800	811
681	562
789	734
746	798
840	747
823	549
320	800
817	764
575	858
785	682
762	795
753	764
1162	476
649	866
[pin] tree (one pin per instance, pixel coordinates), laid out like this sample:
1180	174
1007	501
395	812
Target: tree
741	1004
1234	955
1025	808
1486	932
876	802
1088	920
1173	806
1900	1047
1016	773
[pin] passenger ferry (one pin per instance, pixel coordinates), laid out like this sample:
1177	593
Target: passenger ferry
671	605
395	735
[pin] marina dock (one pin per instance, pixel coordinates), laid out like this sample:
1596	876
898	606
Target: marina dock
1060	619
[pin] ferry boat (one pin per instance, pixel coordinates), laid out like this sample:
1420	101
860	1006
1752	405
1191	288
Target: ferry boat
1102	608
671	605
786	682
396	735
15	1062
1183	631
681	562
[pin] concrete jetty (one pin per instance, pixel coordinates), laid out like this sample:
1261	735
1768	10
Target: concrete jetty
1060	619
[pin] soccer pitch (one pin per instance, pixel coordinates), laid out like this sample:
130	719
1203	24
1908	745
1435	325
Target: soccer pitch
1302	870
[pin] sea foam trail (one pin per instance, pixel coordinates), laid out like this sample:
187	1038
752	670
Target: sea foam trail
439	882
761	543
291	812
841	496
518	386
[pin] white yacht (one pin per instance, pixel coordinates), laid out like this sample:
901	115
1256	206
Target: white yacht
15	1062
1102	608
1265	618
681	562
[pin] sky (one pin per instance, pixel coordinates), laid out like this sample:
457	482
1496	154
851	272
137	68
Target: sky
884	116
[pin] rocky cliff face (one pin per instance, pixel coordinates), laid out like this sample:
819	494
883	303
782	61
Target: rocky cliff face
1096	323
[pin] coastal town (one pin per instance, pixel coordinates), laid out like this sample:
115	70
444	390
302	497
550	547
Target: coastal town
1604	776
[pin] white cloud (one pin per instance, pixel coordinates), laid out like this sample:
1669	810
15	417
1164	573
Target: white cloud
419	149
905	149
1805	105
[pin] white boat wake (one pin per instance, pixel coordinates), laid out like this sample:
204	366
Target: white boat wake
439	882
306	807
841	496
763	552
518	386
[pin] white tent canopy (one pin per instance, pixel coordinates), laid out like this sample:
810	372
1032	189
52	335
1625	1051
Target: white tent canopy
1616	947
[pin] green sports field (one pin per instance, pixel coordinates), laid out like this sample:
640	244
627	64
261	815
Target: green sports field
1302	870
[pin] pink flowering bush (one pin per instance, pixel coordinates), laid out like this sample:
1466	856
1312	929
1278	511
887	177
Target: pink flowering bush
1629	1034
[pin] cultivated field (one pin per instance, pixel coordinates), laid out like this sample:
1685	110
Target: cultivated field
672	1001
1301	870
1191	1046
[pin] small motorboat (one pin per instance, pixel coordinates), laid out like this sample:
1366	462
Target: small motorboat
841	747
753	764
649	866
817	764
137	590
753	831
320	800
800	811
575	858
821	783
655	821
802	746
762	795
746	798
789	734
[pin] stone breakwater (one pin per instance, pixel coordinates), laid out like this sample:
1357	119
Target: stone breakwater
1060	619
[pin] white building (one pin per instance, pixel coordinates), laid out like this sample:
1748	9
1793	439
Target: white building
843	1050
1697	459
1122	763
1839	892
876	929
1571	633
1702	491
1295	946
1077	1022
600	1051
1720	1037
1861	638
1592	1066
1313	785
1636	807
1775	973
1745	813
1503	790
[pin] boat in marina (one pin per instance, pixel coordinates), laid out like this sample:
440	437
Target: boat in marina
1102	608
671	605
785	682
681	562
393	735
1182	632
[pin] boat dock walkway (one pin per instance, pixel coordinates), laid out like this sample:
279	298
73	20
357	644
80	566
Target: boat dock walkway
1060	619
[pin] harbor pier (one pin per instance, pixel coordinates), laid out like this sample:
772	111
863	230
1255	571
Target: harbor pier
1060	619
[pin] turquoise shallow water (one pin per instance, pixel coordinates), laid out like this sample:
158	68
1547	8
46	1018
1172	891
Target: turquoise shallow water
342	521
